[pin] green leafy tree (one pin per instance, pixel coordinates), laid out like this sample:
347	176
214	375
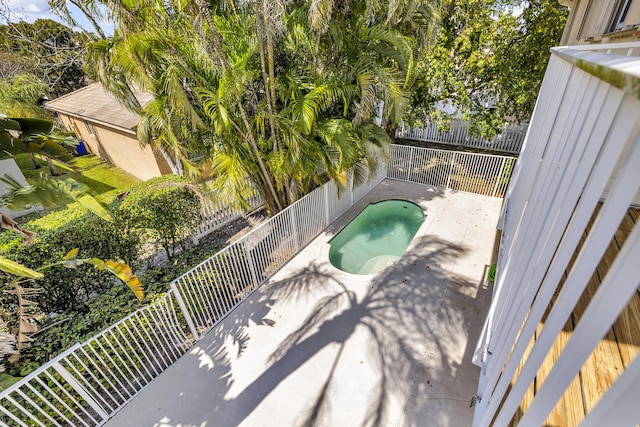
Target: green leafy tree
167	208
486	51
48	49
23	287
20	95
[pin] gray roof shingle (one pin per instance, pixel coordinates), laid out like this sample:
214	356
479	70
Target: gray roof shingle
95	103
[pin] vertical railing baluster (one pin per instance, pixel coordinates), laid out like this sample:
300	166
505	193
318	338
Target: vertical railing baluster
185	312
498	178
410	166
453	158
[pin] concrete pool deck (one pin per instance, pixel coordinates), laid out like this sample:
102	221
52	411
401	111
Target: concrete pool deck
318	347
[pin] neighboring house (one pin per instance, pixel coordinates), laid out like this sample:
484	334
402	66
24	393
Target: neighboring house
600	21
108	130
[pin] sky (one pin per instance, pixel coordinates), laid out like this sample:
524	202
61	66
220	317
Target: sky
30	10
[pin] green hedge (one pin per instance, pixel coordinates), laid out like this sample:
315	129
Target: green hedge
81	302
166	208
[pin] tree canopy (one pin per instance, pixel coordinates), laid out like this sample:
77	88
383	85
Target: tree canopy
283	95
279	95
49	50
487	51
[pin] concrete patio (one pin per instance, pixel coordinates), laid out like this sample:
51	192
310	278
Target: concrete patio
319	347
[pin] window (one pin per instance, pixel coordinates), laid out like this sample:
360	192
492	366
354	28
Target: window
619	15
89	128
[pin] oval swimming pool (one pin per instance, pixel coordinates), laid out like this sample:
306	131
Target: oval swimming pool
377	237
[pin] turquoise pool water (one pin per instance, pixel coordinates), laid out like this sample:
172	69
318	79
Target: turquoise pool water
377	237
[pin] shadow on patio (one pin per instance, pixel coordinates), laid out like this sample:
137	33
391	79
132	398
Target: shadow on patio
311	350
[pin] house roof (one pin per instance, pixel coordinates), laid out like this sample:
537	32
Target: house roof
96	104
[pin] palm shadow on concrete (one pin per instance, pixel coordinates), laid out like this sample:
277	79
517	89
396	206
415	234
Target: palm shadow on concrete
395	324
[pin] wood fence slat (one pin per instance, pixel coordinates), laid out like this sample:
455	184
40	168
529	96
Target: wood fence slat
627	326
530	394
625	228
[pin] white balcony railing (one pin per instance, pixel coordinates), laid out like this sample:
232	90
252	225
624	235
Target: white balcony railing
509	140
582	149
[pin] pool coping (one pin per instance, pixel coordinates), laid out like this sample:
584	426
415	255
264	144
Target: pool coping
327	235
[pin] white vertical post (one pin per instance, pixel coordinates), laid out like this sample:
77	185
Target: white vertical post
185	312
453	158
326	205
351	187
252	268
294	227
79	389
410	164
498	178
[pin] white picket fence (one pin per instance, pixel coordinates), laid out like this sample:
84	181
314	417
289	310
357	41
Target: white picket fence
469	172
88	383
509	140
216	212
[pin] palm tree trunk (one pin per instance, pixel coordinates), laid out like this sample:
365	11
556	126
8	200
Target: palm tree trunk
271	98
272	73
259	32
35	162
216	41
52	168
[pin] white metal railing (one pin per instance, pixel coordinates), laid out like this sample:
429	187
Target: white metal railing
88	383
509	140
583	146
469	172
208	292
91	381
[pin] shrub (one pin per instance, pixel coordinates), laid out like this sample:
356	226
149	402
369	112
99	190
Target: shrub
64	289
75	326
167	208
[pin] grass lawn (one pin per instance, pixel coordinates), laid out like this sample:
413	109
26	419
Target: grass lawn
95	176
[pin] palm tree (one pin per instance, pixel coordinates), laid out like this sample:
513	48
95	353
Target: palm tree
20	96
283	122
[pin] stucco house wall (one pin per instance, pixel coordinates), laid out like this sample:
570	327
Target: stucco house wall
118	147
601	21
108	130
